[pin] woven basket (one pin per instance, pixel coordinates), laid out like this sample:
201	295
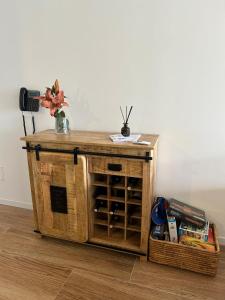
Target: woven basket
185	257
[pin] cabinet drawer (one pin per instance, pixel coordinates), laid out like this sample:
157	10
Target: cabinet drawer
117	166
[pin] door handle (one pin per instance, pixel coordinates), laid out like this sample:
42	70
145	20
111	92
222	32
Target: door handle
115	167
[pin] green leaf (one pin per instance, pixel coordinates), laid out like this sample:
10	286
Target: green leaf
62	114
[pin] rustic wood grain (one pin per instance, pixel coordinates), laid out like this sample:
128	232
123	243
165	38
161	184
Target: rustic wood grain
30	169
146	207
92	138
129	167
47	172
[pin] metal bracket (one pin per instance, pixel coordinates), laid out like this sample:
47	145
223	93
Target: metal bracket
37	149
28	147
75	153
147	157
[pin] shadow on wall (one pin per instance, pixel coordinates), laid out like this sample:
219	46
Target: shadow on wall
196	177
212	201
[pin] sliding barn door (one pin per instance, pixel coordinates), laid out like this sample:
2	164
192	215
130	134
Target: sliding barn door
61	195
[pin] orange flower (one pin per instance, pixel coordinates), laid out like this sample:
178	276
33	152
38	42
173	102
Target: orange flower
53	99
49	95
59	98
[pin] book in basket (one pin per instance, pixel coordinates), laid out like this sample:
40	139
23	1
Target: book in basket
186	213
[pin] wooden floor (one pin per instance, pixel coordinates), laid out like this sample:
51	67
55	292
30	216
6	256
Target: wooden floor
45	269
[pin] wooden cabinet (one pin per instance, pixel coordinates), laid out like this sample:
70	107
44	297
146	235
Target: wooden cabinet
87	189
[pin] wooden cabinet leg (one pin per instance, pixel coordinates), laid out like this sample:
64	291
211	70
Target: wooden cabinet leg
143	258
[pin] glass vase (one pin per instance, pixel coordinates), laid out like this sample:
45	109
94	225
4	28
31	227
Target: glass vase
61	125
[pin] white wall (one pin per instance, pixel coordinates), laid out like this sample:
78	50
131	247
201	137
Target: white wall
167	58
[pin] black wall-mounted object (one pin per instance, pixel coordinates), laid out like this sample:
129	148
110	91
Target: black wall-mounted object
27	103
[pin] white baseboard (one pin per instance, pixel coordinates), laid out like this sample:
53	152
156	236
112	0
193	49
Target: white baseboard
16	203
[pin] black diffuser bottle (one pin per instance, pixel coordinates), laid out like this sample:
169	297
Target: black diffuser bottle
125	130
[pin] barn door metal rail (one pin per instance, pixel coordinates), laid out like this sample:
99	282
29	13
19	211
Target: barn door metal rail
76	151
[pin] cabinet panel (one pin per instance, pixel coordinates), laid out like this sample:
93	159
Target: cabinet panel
119	209
61	196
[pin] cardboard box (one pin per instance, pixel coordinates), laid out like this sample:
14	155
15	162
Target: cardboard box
172	226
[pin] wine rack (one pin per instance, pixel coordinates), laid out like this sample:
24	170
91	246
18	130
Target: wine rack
116	210
87	189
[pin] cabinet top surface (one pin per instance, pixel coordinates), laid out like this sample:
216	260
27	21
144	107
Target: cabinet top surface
93	138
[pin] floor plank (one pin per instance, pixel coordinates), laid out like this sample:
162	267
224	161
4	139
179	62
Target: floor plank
180	282
4	228
34	268
27	279
87	285
71	255
15	217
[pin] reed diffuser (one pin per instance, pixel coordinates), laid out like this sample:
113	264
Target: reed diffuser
125	130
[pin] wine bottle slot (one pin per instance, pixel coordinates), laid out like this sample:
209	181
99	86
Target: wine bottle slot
100	204
100	191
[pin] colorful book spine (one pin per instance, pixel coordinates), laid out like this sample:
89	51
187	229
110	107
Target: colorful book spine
195	232
190	241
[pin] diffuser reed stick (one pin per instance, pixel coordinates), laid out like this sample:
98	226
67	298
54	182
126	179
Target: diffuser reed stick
129	115
122	114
